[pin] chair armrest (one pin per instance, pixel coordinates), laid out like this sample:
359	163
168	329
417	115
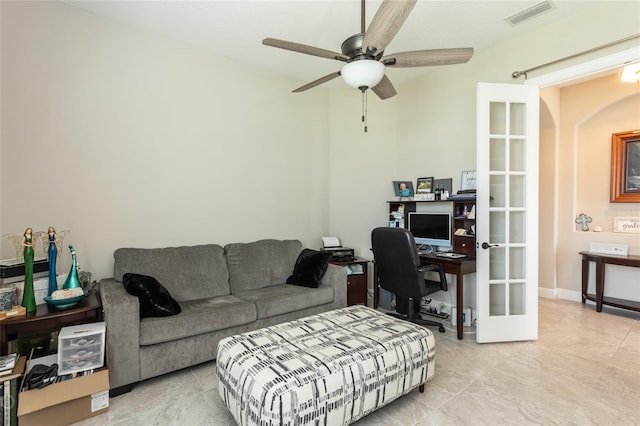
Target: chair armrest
440	270
336	276
122	316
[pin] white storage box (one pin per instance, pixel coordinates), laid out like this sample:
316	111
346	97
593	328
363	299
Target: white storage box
81	347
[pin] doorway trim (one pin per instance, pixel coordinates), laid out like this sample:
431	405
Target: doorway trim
566	75
585	69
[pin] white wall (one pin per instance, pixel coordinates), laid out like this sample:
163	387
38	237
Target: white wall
129	139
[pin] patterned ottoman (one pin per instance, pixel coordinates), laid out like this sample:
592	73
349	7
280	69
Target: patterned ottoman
332	368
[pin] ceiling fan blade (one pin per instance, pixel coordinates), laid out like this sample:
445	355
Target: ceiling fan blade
386	23
317	82
303	48
428	57
384	89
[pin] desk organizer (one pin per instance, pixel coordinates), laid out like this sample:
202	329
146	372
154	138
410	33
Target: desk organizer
81	347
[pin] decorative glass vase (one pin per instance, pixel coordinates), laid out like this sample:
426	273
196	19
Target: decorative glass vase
72	280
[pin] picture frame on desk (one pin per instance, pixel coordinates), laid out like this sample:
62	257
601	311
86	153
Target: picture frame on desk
468	180
446	184
403	188
424	185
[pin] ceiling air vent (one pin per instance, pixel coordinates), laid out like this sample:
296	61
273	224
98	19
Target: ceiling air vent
534	10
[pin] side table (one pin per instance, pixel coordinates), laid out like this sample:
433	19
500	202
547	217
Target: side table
48	318
357	279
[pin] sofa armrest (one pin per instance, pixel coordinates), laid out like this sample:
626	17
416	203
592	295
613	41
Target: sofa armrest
336	276
121	314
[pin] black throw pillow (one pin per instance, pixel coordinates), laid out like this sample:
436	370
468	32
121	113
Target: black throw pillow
154	299
310	268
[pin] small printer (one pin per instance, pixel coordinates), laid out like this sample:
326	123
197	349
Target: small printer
338	253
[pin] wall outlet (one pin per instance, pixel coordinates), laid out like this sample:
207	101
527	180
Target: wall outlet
466	317
606	248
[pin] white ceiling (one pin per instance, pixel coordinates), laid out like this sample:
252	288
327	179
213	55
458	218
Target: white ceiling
235	28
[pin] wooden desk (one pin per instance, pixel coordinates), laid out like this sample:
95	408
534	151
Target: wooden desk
458	267
49	318
601	260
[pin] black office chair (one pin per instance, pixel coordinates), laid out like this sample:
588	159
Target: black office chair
399	272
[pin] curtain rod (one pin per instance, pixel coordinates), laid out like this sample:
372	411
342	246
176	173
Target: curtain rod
517	74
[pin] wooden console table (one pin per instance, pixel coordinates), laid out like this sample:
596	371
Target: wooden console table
601	260
458	267
49	318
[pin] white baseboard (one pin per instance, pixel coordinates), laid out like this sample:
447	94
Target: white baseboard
547	293
559	293
572	295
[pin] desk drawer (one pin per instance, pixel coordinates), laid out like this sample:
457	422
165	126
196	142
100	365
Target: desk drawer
465	245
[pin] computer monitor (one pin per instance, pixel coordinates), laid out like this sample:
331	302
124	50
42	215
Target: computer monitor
433	229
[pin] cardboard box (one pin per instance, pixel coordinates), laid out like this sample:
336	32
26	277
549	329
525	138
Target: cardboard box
65	402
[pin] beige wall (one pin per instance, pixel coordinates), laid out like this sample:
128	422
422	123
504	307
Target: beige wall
590	112
129	139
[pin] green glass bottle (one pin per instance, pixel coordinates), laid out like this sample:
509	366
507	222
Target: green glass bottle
72	280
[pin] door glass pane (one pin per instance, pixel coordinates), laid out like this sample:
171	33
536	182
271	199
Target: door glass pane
517	263
497	264
516	299
517	155
516	191
497	118
497	228
516	118
517	227
498	155
497	300
497	191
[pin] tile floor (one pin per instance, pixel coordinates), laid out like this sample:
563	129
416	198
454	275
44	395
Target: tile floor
584	369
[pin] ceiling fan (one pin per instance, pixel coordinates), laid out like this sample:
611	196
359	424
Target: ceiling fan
363	53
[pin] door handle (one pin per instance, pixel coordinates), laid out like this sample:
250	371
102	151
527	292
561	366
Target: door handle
486	245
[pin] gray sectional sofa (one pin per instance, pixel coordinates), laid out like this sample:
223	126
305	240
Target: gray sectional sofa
221	291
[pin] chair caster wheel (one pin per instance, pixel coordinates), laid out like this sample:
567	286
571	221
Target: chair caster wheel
441	328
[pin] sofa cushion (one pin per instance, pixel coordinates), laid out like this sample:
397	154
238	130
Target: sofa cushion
261	263
154	299
310	268
188	273
197	317
284	298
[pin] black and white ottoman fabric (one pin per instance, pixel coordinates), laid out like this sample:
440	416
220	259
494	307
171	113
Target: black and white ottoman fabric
332	368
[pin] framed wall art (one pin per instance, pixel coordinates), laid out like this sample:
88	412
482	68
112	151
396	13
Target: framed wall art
626	224
625	167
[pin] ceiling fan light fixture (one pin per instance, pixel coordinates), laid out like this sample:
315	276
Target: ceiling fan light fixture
630	73
363	74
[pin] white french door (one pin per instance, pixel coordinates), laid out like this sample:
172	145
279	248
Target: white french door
507	212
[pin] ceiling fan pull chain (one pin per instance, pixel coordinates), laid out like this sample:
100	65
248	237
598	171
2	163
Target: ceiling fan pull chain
364	109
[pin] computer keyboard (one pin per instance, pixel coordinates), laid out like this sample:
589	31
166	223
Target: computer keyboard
450	255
